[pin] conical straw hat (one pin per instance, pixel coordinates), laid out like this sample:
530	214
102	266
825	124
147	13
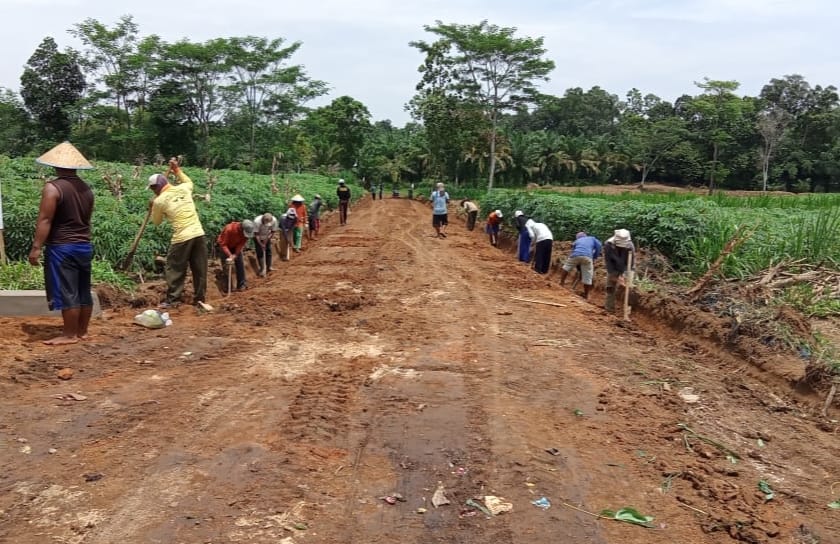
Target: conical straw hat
64	155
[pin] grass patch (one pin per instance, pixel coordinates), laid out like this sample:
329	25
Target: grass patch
23	276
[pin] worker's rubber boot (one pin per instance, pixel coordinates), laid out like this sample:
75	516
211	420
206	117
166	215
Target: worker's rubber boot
609	300
563	275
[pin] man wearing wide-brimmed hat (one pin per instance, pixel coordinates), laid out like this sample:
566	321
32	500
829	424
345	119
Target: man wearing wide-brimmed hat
188	247
63	231
616	250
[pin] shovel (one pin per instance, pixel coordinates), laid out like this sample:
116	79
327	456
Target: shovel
230	278
628	285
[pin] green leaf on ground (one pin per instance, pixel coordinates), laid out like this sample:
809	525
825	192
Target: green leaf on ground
629	515
835	504
765	488
578	412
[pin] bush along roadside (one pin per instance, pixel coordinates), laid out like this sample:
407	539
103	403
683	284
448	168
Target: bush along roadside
122	200
691	232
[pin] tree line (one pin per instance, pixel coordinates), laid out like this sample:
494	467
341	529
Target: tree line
477	114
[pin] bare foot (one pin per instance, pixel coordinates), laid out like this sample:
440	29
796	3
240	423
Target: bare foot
61	340
86	337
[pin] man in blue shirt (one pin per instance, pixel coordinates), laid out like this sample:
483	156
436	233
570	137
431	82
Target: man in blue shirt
440	198
585	249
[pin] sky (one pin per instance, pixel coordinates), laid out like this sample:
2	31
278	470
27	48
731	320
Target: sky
360	47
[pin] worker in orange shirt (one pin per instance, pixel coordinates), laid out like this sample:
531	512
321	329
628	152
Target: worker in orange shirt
232	241
302	221
494	223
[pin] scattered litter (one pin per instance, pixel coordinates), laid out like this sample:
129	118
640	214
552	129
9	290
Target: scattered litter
187	353
26	449
70	396
393	498
542	502
553	451
497	505
153	319
629	515
688	395
765	488
478	506
530	484
93	476
64	374
439	498
421	510
52	451
760	443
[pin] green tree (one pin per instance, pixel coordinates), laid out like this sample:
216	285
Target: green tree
485	64
715	113
15	125
646	141
344	123
51	84
263	86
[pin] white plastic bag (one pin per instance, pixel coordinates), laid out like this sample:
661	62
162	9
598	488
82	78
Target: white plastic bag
153	319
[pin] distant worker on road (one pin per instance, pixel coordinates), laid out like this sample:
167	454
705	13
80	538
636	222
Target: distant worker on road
543	240
585	249
343	193
232	241
302	221
440	217
494	223
315	217
63	231
188	247
616	251
471	209
524	247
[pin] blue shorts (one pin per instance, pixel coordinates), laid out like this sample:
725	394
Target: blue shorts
67	275
491	229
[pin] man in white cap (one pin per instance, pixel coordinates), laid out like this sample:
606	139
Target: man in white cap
343	194
494	223
62	230
232	241
302	221
188	247
287	229
616	250
524	248
543	240
265	225
440	217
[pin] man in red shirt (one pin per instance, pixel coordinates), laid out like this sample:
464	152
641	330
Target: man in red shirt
494	222
232	242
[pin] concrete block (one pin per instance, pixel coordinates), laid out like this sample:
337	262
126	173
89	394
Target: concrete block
33	303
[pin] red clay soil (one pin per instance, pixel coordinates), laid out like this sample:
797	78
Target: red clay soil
383	360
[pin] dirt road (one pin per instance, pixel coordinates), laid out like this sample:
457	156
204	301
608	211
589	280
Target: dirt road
385	360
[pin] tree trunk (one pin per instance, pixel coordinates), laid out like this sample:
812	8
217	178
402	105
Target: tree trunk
492	153
644	176
714	167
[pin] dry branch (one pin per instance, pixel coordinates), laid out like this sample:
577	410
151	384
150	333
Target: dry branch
737	239
539	302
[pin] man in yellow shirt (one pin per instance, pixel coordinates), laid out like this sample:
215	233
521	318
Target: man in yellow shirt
175	204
